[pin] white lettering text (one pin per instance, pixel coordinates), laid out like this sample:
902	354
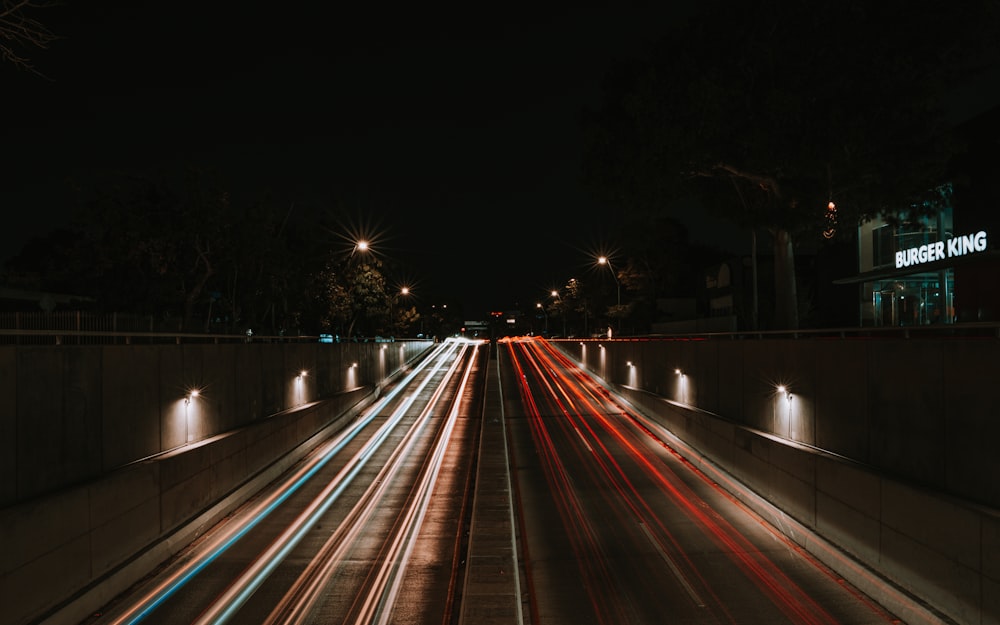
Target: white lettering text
955	246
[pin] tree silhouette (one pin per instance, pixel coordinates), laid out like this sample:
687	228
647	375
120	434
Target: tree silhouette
769	110
20	32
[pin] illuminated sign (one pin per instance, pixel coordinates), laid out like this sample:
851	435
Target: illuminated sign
940	250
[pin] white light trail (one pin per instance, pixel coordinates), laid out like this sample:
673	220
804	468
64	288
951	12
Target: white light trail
187	570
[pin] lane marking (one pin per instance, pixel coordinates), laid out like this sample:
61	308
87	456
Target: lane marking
673	567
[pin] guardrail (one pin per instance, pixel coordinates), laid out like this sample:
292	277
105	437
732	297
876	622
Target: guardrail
98	337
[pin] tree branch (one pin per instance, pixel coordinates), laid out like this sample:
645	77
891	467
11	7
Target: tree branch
18	30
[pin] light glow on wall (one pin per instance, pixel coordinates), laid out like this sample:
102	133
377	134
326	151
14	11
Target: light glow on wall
299	394
681	394
785	419
190	411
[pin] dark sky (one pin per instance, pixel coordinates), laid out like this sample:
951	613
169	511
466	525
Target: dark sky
454	134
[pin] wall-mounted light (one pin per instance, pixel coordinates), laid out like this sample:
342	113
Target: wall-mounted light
678	372
354	365
629	364
191	395
783	390
303	373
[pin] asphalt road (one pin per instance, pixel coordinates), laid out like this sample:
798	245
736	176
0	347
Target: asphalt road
494	485
367	529
618	528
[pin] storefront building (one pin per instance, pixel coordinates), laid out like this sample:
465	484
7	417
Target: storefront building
926	271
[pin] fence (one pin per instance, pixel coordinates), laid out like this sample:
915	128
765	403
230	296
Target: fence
86	328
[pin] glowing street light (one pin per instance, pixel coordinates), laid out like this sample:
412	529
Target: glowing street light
539	306
554	294
403	292
604	260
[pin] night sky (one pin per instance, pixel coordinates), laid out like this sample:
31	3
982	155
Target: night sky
454	135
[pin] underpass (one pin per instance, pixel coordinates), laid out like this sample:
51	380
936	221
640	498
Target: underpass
598	507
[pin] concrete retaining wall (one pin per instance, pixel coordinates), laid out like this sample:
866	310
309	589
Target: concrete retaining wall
922	410
69	414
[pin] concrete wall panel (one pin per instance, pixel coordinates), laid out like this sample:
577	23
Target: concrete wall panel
841	398
798	496
938	524
41	423
126	533
56	573
8	425
130	389
906	408
971	418
944	583
854	530
247	376
991	548
174	386
40	526
850	484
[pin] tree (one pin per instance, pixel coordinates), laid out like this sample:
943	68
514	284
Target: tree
350	294
329	292
769	110
20	31
144	247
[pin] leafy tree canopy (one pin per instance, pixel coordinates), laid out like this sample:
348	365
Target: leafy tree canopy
783	106
768	110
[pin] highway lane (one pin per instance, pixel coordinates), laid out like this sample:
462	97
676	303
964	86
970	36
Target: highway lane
618	528
614	526
367	529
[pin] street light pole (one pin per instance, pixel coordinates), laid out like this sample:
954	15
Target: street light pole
546	313
604	260
404	291
562	309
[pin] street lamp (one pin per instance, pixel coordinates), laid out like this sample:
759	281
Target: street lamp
604	260
562	308
404	291
544	312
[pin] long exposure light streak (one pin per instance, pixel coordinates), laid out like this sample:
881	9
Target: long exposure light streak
240	591
785	594
592	563
586	406
383	594
188	569
302	598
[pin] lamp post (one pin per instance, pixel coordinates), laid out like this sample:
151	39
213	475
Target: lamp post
604	260
353	276
562	309
404	291
544	312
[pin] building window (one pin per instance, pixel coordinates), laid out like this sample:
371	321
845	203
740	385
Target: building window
883	250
